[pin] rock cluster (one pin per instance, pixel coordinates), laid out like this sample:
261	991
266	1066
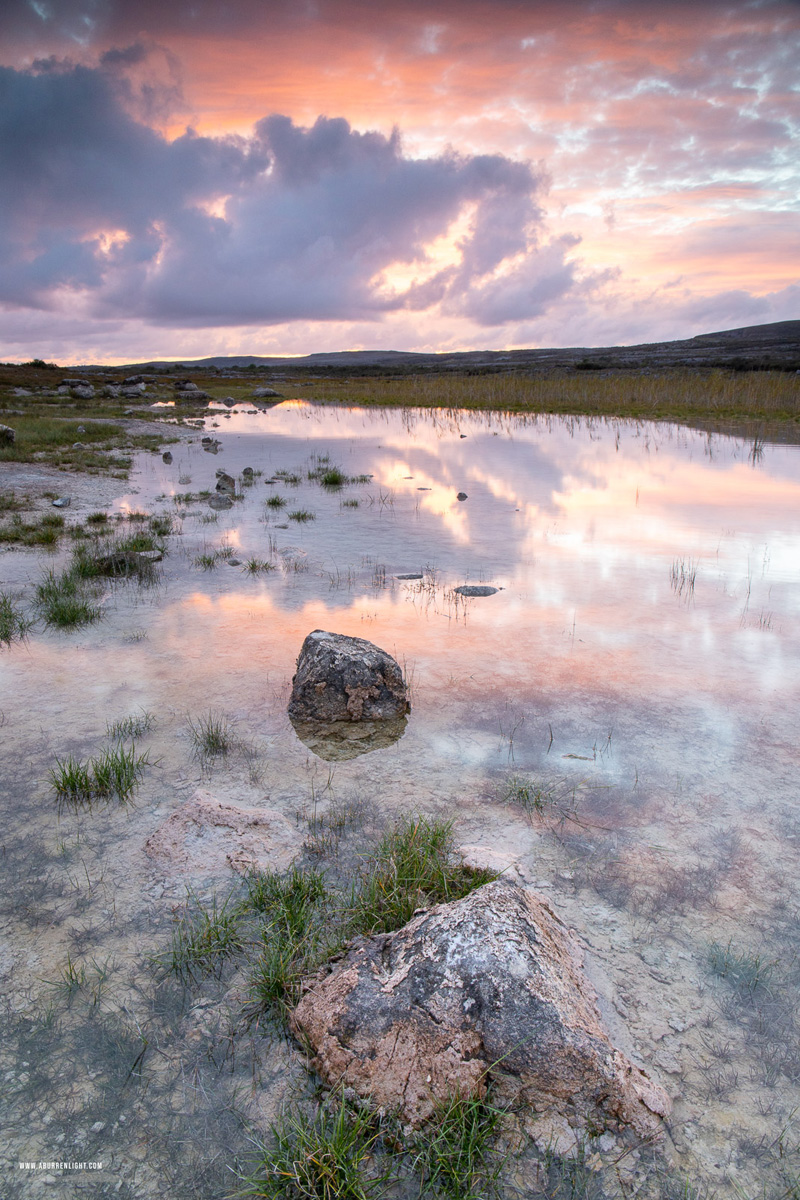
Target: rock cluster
490	986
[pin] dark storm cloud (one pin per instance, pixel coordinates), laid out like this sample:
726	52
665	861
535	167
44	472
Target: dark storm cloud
86	20
93	199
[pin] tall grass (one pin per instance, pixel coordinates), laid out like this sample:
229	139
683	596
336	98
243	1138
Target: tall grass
716	395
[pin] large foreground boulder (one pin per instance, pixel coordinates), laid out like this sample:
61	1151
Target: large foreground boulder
341	678
488	987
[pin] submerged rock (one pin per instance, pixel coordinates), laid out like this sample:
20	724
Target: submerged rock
205	836
487	987
341	678
220	503
474	589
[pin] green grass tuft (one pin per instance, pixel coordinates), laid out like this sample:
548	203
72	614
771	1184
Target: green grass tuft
300	931
276	502
131	727
212	735
255	566
206	561
115	773
63	603
457	1160
203	937
13	623
415	866
301	515
329	1156
747	973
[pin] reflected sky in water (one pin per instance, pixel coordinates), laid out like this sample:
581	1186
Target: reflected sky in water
648	573
648	580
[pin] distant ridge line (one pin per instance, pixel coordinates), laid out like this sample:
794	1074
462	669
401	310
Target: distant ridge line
778	343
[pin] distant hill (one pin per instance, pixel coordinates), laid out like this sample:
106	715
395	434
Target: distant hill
751	347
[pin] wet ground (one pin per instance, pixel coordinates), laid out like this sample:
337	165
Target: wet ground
617	722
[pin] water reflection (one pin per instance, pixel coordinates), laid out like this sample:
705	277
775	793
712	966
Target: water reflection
339	741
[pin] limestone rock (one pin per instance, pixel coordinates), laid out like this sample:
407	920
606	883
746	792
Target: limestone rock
487	987
226	484
341	678
205	836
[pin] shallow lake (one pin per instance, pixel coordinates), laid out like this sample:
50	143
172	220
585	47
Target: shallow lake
616	724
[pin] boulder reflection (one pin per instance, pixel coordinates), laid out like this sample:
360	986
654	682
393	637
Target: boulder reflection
339	741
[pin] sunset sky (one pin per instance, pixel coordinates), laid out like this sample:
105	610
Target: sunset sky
192	177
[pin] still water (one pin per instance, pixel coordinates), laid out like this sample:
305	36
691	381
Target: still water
617	724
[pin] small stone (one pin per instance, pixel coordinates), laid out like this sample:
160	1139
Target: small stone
98	1127
409	576
234	562
220	502
81	429
61	502
476	590
226	484
248	471
166	457
462	496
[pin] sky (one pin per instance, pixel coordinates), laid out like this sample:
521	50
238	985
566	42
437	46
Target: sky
181	178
